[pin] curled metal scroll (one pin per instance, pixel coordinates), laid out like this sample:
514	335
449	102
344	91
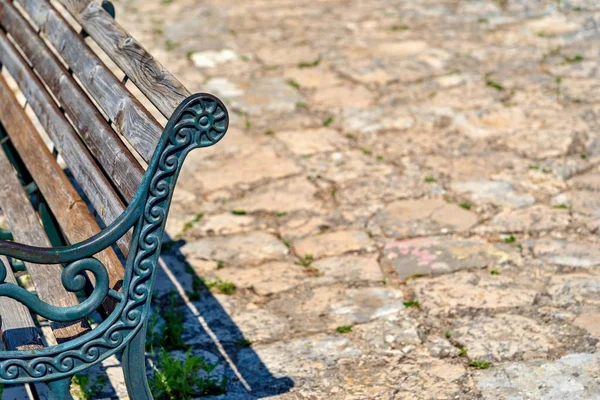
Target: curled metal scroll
73	279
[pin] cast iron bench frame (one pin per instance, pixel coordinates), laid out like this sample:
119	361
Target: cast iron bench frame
200	120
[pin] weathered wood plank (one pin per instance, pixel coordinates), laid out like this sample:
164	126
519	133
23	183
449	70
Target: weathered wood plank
26	228
131	119
110	151
17	327
82	165
69	209
161	88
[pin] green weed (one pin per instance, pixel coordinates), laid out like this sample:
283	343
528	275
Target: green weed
310	64
328	121
185	379
466	206
479	364
86	389
344	329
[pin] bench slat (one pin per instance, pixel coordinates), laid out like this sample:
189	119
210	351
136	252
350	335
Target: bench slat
82	165
69	209
131	119
26	228
111	153
161	88
17	327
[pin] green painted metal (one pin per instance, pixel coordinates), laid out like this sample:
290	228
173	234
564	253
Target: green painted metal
60	389
5	235
200	121
109	8
17	265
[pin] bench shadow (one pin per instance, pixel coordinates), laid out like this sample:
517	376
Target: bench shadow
209	331
209	328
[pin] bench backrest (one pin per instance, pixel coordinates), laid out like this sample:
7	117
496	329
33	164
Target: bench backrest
85	116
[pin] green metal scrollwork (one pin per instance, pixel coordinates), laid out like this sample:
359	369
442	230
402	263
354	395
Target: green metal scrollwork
73	280
200	121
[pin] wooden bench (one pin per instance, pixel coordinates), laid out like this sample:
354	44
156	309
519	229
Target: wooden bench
74	190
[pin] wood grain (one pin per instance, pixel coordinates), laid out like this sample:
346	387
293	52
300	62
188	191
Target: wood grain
82	165
26	228
104	144
131	119
69	209
17	327
161	88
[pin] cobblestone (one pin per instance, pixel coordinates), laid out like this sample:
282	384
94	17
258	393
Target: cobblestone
408	190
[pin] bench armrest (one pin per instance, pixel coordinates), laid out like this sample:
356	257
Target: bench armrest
200	121
77	251
184	118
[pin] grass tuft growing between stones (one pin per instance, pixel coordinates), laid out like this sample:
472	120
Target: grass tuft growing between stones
221	287
479	364
494	272
172	331
171	45
190	224
310	64
430	179
494	85
328	121
185	379
577	58
466	206
85	389
344	329
509	240
238	212
293	83
416	276
306	260
243	342
412	304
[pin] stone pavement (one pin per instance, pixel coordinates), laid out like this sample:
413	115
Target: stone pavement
408	200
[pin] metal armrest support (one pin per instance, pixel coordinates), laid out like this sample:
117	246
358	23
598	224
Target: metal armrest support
200	121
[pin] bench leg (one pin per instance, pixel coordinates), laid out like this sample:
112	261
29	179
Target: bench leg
134	367
60	389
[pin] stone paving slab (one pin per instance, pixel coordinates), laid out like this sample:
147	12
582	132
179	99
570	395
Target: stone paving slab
406	205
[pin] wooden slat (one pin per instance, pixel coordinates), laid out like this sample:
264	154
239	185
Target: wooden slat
26	228
161	88
82	165
69	209
131	119
16	325
112	154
